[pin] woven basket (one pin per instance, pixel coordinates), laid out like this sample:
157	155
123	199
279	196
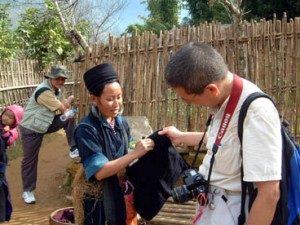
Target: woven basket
54	222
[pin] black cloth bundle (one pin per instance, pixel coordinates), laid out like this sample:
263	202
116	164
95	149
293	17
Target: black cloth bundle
154	176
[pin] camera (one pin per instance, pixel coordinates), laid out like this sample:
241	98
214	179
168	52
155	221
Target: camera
194	184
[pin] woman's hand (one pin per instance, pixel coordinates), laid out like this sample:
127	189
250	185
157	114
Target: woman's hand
114	166
143	146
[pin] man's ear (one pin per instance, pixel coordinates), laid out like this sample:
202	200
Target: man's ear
213	89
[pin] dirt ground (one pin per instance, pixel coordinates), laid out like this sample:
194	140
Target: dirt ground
53	162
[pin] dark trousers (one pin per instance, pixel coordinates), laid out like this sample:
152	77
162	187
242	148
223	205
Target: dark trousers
31	143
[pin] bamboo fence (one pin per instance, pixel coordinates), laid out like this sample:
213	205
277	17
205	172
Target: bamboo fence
266	53
18	80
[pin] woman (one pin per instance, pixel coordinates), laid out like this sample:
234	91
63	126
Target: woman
102	138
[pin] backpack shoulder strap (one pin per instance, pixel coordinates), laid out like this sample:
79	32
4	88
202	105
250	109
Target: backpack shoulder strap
246	186
244	109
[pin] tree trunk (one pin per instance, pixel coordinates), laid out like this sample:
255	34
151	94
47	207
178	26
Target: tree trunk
75	37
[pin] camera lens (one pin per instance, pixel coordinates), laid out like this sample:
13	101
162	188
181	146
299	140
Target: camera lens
181	194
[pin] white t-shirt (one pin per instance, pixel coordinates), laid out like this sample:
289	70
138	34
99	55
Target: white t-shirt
261	144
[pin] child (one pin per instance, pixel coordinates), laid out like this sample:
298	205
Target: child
9	120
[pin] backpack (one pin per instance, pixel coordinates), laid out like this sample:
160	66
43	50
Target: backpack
288	207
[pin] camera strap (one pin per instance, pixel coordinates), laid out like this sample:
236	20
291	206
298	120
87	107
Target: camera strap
201	141
229	110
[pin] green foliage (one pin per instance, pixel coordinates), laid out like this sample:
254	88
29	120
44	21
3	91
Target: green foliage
201	11
155	25
83	26
135	27
258	9
42	36
132	145
163	12
163	16
8	44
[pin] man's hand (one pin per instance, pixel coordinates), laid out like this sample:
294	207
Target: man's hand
69	101
173	134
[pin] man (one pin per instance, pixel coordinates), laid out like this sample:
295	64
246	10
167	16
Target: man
199	75
41	116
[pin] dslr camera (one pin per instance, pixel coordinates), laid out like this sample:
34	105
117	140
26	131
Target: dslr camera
194	184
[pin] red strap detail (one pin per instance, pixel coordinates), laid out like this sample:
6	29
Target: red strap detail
203	200
231	105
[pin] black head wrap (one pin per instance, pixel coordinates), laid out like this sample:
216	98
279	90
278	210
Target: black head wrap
96	77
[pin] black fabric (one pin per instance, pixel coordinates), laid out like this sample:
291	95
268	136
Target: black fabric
96	216
5	203
3	157
98	76
2	204
113	199
154	176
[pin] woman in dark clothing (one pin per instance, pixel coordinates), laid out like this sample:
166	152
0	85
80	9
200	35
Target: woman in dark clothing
102	138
